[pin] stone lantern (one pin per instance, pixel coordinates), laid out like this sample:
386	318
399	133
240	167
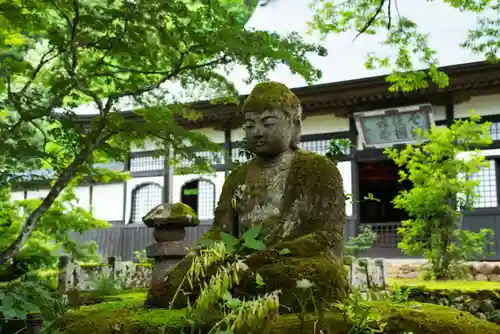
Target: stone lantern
169	221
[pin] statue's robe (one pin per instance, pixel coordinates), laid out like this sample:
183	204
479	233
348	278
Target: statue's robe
309	225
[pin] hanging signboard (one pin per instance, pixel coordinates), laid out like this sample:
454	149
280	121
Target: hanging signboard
388	127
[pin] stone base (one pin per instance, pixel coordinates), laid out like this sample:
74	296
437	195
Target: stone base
165	255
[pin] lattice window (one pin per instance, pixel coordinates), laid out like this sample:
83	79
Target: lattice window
214	158
387	234
143	164
200	195
495	130
237	156
487	187
145	197
206	199
316	146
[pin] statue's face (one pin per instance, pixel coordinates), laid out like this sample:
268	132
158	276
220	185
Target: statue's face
268	133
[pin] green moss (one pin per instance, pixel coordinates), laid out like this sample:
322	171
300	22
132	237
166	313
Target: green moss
267	95
180	210
330	284
464	286
130	317
168	214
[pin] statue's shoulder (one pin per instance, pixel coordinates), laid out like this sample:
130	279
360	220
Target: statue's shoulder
238	174
314	163
316	172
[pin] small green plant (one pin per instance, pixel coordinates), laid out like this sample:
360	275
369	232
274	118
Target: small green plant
443	188
355	246
400	294
106	285
141	258
360	315
339	147
230	254
29	294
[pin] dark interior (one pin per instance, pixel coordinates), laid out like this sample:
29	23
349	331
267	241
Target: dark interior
381	179
189	194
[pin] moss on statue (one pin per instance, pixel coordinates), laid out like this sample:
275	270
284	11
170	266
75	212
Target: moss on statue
271	94
130	317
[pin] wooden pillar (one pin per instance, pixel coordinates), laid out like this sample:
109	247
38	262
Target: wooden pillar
353	230
450	111
228	146
168	175
126	167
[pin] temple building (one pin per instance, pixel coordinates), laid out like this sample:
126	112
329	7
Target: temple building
350	102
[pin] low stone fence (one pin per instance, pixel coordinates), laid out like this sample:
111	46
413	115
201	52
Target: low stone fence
366	273
85	277
363	274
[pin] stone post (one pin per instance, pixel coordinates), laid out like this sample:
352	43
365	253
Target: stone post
169	222
34	323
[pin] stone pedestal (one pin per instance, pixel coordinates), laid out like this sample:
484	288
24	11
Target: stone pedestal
169	222
165	255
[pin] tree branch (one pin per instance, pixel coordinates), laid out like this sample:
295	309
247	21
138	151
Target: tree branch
177	69
39	67
67	175
61	11
371	20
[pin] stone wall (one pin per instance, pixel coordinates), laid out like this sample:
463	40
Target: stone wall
365	273
412	269
127	274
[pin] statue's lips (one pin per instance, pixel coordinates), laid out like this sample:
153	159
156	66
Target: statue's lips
260	144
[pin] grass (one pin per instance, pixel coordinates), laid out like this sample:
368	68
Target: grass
464	286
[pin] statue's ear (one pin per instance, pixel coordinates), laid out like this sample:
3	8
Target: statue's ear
296	131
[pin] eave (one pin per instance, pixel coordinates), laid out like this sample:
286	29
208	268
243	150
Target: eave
344	98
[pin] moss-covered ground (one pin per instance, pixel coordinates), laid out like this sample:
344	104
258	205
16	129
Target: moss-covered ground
465	286
129	316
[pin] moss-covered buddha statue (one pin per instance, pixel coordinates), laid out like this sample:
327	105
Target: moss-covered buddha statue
296	196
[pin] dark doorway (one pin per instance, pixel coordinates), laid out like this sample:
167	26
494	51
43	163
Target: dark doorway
381	179
189	194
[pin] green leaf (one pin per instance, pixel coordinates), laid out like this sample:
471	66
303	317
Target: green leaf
252	233
284	251
9	313
229	240
227	296
259	280
8	301
254	244
233	302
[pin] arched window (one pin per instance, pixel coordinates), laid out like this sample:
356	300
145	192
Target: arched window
199	194
145	196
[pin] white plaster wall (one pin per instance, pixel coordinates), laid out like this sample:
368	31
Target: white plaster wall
131	184
148	146
316	124
41	193
482	105
17	195
83	197
439	113
345	169
216	136
107	201
237	134
324	124
179	180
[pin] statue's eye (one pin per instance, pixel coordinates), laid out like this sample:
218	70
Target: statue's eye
248	126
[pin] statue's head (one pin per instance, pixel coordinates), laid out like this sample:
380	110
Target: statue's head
273	119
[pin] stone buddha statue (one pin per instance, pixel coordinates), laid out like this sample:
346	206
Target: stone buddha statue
295	196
